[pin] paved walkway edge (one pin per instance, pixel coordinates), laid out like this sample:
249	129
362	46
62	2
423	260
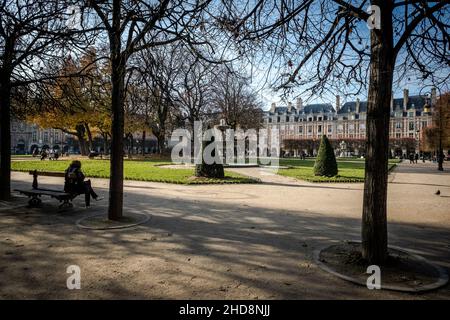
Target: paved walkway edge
440	282
80	225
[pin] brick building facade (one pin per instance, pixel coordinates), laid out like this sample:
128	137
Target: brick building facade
301	126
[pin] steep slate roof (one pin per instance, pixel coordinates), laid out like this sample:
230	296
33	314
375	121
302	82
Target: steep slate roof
318	108
349	107
418	102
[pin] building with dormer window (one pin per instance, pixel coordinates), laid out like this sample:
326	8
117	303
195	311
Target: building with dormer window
301	126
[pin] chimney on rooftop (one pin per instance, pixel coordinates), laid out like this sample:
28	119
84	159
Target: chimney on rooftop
338	103
433	97
299	104
405	99
272	107
289	109
358	102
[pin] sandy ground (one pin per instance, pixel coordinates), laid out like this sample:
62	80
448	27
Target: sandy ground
218	241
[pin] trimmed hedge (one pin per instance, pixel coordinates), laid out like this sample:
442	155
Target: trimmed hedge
325	165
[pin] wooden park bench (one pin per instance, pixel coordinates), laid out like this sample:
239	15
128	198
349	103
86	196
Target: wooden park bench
35	192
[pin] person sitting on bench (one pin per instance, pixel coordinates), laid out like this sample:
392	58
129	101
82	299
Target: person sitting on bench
74	183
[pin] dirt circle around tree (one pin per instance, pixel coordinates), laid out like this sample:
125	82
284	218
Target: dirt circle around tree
403	271
100	221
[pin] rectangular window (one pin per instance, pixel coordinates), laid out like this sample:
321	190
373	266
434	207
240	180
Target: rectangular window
411	126
319	128
300	129
330	129
45	137
34	136
309	129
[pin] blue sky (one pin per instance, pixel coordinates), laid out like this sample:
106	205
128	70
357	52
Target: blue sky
412	80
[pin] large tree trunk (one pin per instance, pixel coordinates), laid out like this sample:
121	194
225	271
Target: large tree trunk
116	166
80	133
89	135
143	142
374	220
105	143
5	136
118	62
440	158
160	138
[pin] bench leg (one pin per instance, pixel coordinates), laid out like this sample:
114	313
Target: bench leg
66	204
34	201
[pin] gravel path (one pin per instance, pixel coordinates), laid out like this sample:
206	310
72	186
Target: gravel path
217	241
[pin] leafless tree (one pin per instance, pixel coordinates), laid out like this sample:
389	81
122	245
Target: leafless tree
132	26
235	100
326	45
193	94
33	34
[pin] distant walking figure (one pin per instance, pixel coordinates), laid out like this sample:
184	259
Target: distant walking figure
411	158
416	157
75	183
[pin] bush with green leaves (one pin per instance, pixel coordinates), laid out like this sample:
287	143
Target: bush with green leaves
325	165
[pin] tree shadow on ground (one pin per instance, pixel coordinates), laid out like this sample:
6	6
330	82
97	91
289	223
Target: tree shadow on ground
191	249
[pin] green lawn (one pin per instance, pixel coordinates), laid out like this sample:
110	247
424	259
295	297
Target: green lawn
133	170
350	170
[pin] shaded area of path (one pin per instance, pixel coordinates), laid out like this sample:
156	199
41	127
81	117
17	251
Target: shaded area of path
217	241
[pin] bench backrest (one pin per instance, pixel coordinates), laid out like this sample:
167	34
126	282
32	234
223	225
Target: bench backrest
47	173
36	173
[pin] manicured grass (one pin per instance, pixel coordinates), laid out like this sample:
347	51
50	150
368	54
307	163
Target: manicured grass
349	170
133	170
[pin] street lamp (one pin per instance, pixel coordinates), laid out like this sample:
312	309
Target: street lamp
222	126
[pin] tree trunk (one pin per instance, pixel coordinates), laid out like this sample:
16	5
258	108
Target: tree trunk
131	144
160	138
89	135
374	220
143	142
81	130
5	136
440	158
105	144
118	63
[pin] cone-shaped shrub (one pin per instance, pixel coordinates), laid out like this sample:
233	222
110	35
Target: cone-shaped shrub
326	161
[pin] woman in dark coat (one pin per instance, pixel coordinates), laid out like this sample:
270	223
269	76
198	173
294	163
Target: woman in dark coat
74	183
